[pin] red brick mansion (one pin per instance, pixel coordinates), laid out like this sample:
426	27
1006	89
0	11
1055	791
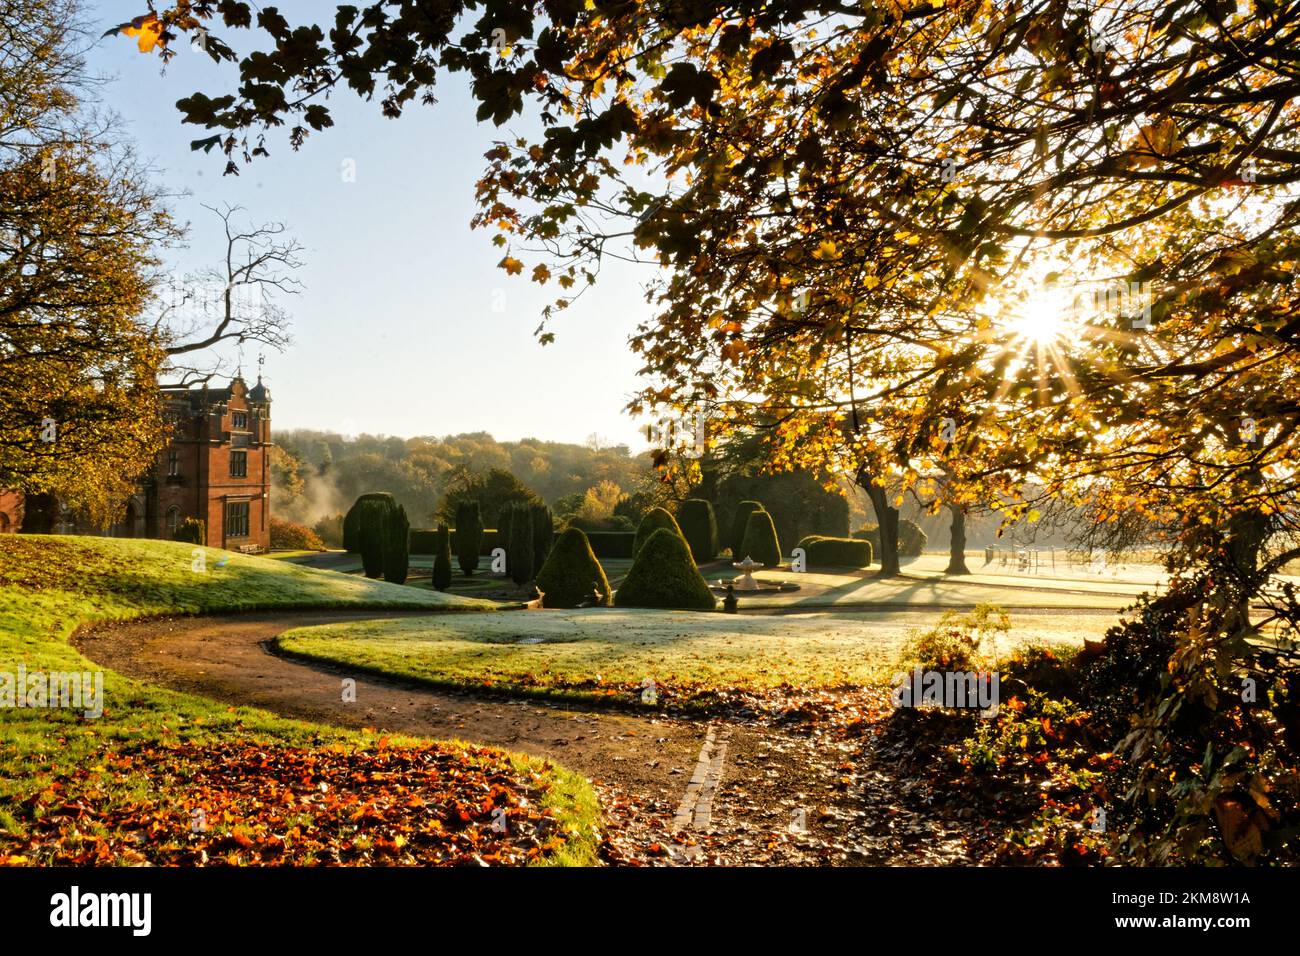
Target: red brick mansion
214	467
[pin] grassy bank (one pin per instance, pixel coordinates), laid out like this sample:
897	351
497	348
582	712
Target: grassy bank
127	786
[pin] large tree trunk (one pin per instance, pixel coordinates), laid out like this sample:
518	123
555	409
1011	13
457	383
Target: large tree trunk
1246	532
957	542
887	519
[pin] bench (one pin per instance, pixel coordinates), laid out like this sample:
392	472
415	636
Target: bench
250	549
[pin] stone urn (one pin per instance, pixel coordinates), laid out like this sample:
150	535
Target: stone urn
746	581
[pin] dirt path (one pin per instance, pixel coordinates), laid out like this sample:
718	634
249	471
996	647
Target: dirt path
669	792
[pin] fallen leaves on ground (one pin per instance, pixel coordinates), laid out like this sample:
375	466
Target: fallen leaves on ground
239	804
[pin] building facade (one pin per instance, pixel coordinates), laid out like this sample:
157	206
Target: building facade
215	467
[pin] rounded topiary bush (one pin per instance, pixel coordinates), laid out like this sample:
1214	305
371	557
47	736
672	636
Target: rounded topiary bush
911	539
839	552
663	575
353	519
760	541
571	575
739	522
656	519
700	528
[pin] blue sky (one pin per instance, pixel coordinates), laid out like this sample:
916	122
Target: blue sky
396	331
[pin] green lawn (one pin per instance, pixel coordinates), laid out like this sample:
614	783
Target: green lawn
606	653
54	758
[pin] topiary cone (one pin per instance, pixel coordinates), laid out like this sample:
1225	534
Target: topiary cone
664	575
761	542
572	575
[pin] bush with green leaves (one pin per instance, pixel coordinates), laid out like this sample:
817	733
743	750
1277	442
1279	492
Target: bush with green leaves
442	558
836	552
911	539
372	537
469	535
192	530
571	575
958	642
518	519
663	575
700	528
543	532
760	541
655	519
739	523
397	551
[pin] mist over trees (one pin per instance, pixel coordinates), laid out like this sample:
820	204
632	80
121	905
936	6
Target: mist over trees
318	474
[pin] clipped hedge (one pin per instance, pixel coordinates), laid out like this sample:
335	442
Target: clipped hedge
469	546
352	520
739	522
397	553
425	541
442	559
543	532
911	539
761	542
517	529
612	544
840	552
656	519
571	575
664	575
700	528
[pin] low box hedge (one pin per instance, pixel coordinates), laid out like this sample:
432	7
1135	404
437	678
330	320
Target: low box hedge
612	544
837	552
424	541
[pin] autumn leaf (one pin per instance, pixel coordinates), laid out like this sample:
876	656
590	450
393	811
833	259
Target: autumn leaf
147	28
512	265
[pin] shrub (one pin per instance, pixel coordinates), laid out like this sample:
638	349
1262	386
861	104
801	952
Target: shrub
663	575
840	552
911	539
192	530
700	528
519	542
957	641
397	546
469	535
656	519
289	536
571	574
760	541
593	525
352	520
543	532
442	558
1052	671
372	538
739	522
330	530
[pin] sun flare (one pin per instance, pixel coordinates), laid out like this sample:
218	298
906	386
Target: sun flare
1043	317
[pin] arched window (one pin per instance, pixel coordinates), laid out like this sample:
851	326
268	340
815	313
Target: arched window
173	520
